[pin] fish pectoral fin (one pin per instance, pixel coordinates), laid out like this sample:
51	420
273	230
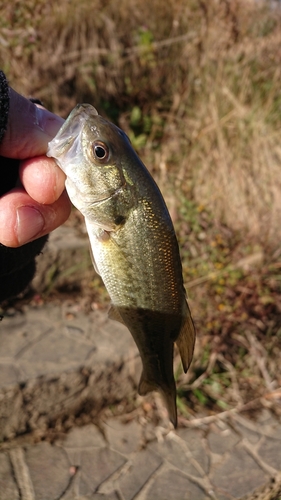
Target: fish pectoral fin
93	260
186	341
114	314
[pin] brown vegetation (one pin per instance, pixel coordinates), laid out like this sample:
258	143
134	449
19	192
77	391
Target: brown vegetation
197	83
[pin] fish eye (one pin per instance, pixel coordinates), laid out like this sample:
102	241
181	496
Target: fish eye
100	151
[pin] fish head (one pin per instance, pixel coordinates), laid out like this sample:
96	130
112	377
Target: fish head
90	150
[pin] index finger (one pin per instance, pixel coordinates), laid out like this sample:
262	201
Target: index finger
29	128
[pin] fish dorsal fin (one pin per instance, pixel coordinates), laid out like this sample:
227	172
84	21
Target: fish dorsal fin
114	314
186	341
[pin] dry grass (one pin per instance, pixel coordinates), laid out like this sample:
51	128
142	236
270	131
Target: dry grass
197	83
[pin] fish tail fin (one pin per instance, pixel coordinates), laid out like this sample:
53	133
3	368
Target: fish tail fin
147	385
186	340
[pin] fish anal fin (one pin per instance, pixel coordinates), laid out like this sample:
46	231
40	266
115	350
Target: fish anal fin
170	401
114	314
145	385
186	341
168	394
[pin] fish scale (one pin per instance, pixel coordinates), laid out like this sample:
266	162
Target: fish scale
133	243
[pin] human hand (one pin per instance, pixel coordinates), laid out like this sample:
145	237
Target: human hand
40	204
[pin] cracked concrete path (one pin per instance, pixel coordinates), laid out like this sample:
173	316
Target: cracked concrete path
227	460
53	360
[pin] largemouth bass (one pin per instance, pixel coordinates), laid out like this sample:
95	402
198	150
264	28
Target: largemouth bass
133	243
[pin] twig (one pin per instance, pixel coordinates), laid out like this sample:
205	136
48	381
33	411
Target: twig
203	376
89	53
233	375
259	354
254	403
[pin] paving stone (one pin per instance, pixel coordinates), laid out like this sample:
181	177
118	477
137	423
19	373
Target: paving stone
51	350
178	455
52	362
65	260
83	437
99	496
8	487
142	466
269	425
97	465
15	335
194	440
10	374
265	425
95	496
124	438
266	419
49	470
237	475
248	434
21	473
270	452
222	440
74	491
173	485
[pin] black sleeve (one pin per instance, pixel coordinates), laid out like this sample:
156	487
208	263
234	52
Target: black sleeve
4	104
17	265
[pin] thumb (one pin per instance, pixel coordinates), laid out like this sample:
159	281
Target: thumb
29	129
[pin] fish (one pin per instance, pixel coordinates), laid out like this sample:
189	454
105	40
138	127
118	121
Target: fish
132	241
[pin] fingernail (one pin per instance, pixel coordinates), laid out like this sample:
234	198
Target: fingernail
30	223
48	122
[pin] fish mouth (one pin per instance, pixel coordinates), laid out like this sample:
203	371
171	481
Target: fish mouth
67	139
73	123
